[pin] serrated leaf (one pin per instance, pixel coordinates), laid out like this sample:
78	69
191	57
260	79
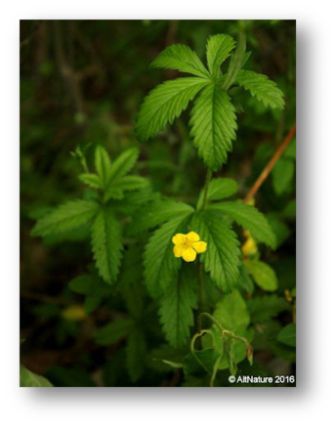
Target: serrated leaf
91	179
282	175
219	188
113	331
219	48
287	335
263	274
261	87
176	308
222	256
135	354
117	187
250	218
102	163
236	62
156	213
231	312
165	103
160	264
123	163
106	244
180	57
30	379
66	218
213	126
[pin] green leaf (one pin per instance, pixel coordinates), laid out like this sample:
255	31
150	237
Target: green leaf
117	187
107	245
266	307
113	332
213	126
135	354
176	308
123	164
165	103
91	179
29	379
158	212
91	303
231	312
160	264
282	175
287	335
280	228
237	61
250	218
222	256
219	48
102	163
66	218
263	274
219	188
180	57
261	87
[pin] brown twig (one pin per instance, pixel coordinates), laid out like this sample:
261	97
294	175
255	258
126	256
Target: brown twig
270	165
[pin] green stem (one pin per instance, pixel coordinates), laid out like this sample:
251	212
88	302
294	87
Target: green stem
201	295
206	188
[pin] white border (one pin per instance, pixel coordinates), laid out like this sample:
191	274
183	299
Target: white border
313	400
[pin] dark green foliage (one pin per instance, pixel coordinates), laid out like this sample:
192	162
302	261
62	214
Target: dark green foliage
104	300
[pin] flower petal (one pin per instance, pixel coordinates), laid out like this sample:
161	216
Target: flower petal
178	250
192	236
179	239
200	246
189	255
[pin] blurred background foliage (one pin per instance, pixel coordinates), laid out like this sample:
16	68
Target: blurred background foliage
82	83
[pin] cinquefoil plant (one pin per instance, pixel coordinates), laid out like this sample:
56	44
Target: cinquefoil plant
194	267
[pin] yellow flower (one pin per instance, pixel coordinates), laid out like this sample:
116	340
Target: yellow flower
188	246
249	247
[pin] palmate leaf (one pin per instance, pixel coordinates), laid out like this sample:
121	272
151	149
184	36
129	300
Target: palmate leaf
219	48
222	257
165	103
158	212
260	86
66	218
117	188
160	264
106	244
213	126
250	218
180	57
176	307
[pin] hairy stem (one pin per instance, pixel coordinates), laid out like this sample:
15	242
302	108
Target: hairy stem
270	165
